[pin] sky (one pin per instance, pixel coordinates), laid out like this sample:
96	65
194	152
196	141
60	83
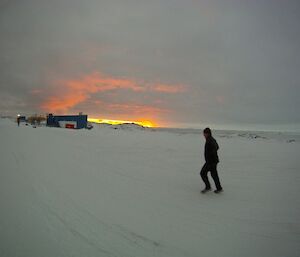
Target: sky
178	63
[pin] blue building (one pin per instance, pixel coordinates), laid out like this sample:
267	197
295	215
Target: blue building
67	121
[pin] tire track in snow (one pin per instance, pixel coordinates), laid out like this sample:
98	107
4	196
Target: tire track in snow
108	239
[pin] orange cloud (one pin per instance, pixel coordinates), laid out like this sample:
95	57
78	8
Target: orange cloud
165	88
69	93
136	109
63	103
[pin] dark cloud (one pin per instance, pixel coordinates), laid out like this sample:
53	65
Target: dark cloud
239	59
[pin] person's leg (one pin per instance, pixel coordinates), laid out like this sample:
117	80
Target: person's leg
204	177
215	176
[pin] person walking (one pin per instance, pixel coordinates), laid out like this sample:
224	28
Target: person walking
211	161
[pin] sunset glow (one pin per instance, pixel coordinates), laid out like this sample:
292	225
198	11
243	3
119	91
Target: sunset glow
63	95
144	123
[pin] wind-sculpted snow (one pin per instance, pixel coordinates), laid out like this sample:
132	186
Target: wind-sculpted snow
136	192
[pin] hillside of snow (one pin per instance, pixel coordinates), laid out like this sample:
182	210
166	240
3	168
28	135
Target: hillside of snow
135	192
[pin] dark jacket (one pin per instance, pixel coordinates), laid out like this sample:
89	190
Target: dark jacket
211	150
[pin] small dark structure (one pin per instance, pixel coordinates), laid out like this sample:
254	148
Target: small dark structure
22	118
67	121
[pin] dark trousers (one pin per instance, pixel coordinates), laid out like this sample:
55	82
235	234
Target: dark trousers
212	167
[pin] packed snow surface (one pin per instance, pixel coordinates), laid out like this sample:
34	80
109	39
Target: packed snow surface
136	193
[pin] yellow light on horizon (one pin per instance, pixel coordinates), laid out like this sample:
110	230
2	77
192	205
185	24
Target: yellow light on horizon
144	123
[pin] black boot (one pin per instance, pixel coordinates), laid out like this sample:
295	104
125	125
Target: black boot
217	191
205	190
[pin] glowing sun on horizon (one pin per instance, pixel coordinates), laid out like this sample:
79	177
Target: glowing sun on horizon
144	123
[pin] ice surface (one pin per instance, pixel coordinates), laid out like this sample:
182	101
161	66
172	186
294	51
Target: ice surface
133	192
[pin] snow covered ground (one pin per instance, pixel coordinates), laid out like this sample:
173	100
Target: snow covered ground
133	192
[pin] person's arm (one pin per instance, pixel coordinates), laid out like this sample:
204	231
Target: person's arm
217	146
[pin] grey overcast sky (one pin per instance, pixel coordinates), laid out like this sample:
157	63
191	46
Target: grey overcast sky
176	62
